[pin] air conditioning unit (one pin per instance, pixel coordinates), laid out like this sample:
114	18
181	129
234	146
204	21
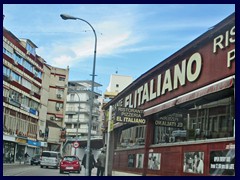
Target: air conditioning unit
10	78
58	108
59	96
32	93
28	53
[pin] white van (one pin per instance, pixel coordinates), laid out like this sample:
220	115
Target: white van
50	158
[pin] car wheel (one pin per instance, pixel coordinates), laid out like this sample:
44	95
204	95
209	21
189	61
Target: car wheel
78	171
41	166
31	163
60	171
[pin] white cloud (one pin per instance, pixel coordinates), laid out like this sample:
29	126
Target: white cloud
113	37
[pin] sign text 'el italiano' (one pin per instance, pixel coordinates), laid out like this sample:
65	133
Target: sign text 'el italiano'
129	115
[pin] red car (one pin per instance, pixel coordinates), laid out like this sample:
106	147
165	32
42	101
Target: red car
70	163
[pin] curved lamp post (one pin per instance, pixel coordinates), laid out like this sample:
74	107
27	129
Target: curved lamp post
68	17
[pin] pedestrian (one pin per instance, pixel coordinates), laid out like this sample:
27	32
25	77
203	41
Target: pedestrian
26	158
92	162
11	158
101	163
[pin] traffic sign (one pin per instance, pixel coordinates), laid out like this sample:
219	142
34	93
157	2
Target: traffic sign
76	144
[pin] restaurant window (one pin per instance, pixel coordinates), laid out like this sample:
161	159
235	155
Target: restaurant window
201	122
132	137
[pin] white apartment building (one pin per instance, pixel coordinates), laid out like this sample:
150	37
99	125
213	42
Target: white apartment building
77	119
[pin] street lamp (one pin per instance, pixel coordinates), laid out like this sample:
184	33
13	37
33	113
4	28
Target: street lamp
67	17
76	137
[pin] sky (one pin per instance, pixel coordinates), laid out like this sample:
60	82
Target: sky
131	38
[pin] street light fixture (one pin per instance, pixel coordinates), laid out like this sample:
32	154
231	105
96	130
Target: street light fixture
68	17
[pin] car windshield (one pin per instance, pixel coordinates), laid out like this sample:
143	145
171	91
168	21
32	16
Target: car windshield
49	154
69	158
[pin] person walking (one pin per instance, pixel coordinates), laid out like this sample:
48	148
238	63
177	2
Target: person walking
92	162
26	158
101	163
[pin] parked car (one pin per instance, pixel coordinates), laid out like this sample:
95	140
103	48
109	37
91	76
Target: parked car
69	164
35	159
50	158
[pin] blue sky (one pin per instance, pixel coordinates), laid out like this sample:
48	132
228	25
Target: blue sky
132	38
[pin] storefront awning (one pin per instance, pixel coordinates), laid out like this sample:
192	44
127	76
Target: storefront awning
212	88
160	107
59	115
209	89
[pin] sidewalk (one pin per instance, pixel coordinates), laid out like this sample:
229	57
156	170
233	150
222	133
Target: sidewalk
114	173
118	173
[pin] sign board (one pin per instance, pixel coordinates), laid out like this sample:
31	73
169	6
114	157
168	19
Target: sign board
174	120
76	144
129	115
111	126
222	162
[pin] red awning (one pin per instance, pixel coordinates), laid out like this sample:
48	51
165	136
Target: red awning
209	89
212	88
160	107
59	115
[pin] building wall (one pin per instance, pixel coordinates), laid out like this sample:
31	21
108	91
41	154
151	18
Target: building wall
44	102
118	82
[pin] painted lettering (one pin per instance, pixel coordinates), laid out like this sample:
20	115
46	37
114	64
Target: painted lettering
192	76
188	70
179	75
230	57
225	40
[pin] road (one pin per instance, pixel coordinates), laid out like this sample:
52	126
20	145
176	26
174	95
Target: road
28	170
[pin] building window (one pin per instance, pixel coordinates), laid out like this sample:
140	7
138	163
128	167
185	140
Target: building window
5	51
6	71
28	65
211	120
26	83
70	117
61	78
134	136
15	77
207	121
18	58
30	49
72	97
59	105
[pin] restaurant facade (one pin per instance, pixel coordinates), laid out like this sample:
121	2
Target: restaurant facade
188	103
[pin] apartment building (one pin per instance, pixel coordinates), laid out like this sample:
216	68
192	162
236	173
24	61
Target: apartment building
33	93
22	73
57	92
77	112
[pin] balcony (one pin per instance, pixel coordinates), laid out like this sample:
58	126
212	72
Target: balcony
81	131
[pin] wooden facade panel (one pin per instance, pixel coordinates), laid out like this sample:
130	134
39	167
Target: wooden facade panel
172	158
